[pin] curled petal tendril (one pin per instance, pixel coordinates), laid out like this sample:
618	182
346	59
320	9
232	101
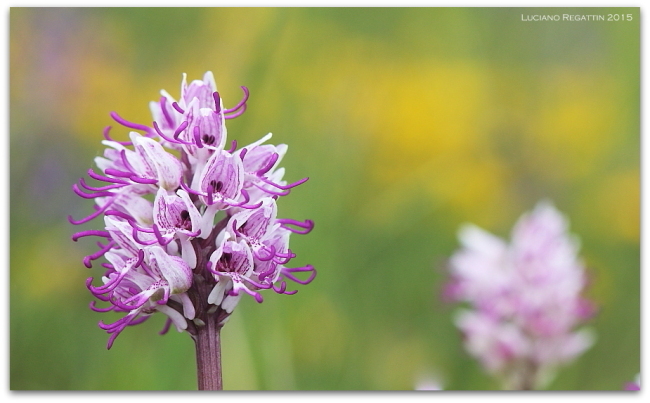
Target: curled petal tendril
241	103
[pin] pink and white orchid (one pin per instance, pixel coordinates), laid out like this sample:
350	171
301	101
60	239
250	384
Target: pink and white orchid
524	297
159	194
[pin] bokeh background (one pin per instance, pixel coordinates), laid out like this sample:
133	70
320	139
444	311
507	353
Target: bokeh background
408	121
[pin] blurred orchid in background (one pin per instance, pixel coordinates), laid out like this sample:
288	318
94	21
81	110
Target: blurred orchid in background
428	382
525	298
189	224
636	385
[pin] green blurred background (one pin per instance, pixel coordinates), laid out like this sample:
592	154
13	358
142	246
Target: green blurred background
408	121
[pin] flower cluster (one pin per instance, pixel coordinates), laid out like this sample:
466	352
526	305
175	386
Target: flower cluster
190	223
525	298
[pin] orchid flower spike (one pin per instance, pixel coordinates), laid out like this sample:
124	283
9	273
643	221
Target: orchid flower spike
524	298
158	196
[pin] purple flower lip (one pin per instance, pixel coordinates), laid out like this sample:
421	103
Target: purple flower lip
308	269
92	216
177	133
130	125
154	250
306	226
241	104
107	136
83	184
233	147
81	234
178	108
103	249
98	177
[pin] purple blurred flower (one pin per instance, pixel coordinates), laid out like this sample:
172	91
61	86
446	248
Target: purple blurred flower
159	195
636	385
524	298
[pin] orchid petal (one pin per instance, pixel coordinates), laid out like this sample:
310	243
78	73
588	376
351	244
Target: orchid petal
177	319
162	165
173	269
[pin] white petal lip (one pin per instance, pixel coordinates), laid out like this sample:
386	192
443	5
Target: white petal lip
177	319
188	252
217	293
230	302
173	269
206	222
188	308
